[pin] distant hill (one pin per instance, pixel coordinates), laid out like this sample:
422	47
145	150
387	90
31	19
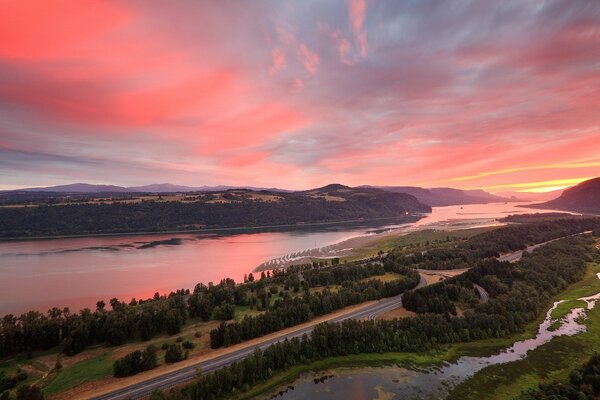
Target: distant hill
584	197
79	188
235	208
152	188
437	197
531	196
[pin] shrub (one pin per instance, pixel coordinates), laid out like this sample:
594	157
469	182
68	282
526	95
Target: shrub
174	353
136	362
188	345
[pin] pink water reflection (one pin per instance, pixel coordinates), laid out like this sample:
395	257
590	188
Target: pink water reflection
77	272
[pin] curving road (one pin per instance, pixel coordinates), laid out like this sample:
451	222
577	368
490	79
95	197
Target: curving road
170	379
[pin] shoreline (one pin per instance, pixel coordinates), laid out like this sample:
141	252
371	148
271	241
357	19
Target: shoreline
209	230
351	248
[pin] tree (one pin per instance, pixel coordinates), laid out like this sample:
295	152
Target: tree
174	353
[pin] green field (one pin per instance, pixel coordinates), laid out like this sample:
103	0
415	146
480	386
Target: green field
412	240
84	371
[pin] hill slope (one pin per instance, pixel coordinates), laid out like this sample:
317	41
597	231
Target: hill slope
152	188
226	209
584	197
438	197
78	188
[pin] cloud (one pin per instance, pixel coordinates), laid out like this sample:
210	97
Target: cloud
309	59
292	94
278	60
357	12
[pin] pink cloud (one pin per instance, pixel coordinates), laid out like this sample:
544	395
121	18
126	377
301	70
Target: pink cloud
309	59
358	10
343	46
284	94
277	61
248	127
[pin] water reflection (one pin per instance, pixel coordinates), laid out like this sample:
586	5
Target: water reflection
76	272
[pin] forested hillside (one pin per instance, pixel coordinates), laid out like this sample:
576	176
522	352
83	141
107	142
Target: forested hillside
235	208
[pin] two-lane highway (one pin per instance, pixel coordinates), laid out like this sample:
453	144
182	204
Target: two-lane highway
186	374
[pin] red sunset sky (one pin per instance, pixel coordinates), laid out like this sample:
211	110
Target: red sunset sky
502	95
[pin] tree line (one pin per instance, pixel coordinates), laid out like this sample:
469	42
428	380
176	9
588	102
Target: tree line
287	313
493	243
118	321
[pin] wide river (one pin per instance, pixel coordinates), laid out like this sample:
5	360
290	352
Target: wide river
77	272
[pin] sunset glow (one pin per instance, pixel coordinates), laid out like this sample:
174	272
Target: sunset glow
503	96
539	187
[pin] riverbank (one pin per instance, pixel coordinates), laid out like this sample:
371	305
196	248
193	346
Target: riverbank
250	229
365	246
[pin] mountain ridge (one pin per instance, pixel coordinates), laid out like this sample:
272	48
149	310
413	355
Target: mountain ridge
584	197
150	188
62	215
444	196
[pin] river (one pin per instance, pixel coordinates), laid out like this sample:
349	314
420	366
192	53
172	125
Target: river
77	272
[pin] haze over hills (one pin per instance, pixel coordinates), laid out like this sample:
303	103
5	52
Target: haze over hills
77	188
437	197
533	196
584	197
152	188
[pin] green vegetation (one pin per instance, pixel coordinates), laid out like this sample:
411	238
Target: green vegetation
175	353
233	208
583	383
200	304
293	311
565	307
84	371
519	292
414	241
242	311
137	361
551	361
530	284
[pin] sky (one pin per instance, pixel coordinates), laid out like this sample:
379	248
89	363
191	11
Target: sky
501	95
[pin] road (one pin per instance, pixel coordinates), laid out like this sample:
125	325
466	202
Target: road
483	294
186	374
517	255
